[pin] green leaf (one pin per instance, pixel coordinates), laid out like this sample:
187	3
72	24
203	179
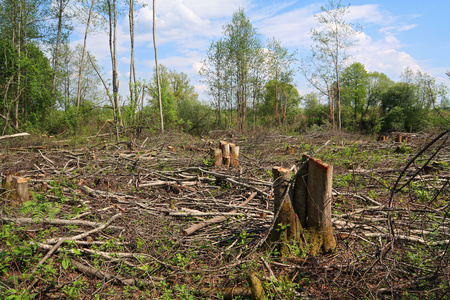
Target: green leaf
66	263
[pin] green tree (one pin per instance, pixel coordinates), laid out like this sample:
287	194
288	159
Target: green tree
280	71
242	42
401	109
289	104
332	38
354	82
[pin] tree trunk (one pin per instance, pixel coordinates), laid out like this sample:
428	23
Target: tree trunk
133	87
80	71
58	42
157	71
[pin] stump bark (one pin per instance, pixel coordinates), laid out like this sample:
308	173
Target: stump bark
18	187
304	216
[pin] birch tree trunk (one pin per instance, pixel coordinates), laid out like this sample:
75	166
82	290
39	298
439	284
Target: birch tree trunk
80	70
157	71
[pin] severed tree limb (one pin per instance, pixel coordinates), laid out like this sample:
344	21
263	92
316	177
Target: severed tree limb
54	222
108	276
13	135
85	234
217	219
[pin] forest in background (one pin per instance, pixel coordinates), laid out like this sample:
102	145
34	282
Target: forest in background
49	87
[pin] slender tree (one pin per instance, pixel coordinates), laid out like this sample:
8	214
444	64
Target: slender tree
80	70
332	38
157	71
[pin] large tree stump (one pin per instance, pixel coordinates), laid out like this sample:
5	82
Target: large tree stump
304	216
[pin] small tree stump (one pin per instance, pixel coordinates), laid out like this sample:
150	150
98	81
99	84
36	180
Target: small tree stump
18	187
216	154
401	138
234	150
290	150
226	153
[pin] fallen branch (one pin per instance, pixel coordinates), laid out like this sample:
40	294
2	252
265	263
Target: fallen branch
13	135
108	276
20	221
85	234
217	219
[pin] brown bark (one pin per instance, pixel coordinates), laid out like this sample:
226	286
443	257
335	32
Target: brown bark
304	216
18	187
320	178
287	227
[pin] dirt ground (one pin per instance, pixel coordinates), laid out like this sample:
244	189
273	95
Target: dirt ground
390	218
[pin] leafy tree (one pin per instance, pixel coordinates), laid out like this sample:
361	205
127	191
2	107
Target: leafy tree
242	43
329	53
401	109
354	82
286	97
280	71
315	112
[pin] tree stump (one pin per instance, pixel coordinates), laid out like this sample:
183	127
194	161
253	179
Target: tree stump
287	227
234	151
226	155
216	154
304	216
18	187
320	231
401	138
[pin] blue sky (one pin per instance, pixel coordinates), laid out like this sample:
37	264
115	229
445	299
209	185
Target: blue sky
395	34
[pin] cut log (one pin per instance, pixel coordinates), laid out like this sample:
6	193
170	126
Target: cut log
13	135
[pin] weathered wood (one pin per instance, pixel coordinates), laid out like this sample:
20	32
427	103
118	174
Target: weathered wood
13	135
287	227
234	150
226	154
216	154
300	192
256	287
320	179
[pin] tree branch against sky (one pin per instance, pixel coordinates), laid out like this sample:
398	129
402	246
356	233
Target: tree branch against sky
332	39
